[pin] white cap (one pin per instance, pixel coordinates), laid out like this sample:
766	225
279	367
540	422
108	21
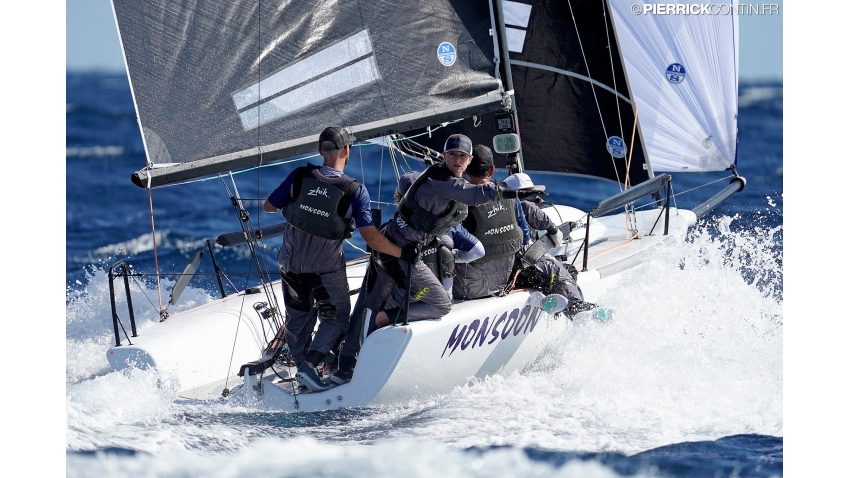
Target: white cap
521	181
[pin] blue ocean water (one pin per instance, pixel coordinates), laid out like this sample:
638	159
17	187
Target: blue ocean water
688	383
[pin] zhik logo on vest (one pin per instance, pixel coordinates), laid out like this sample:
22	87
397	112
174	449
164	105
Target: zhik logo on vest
495	210
319	192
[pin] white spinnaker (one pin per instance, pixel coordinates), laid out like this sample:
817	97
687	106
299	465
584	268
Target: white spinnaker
689	123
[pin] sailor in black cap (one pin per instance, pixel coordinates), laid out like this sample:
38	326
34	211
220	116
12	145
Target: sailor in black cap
322	207
503	230
500	226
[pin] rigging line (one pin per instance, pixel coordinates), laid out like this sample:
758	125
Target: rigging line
246	170
263	271
142	290
359	249
259	95
614	80
249	238
155	256
396	167
381	172
233	349
197	274
592	88
631	145
704	185
393	162
264	267
403	157
636	233
362	169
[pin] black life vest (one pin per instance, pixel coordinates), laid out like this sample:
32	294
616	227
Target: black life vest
495	224
423	220
439	258
321	203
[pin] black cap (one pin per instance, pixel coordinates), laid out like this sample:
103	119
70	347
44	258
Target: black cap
482	161
334	138
458	142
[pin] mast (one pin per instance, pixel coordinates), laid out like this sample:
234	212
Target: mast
514	163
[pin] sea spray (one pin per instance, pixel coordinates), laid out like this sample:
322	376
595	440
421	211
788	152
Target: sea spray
88	317
695	353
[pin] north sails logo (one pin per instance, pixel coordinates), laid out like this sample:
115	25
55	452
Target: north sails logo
341	67
495	210
319	192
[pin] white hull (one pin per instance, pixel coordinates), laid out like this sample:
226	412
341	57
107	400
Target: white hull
482	337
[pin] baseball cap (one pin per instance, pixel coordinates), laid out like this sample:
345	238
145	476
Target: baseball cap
334	138
482	160
519	181
458	142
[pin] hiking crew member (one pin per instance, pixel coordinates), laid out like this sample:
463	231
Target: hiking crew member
435	202
322	207
500	226
457	246
485	277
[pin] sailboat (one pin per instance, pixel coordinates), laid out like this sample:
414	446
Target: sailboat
582	87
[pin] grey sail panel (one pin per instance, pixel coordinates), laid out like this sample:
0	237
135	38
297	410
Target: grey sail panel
217	83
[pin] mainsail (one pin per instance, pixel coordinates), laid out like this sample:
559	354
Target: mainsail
217	84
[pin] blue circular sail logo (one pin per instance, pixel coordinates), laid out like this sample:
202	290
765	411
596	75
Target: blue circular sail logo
446	53
617	147
675	73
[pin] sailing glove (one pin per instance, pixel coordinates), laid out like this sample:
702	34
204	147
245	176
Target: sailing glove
557	236
410	253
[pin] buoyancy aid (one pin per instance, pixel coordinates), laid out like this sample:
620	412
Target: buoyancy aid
495	224
439	258
321	203
423	220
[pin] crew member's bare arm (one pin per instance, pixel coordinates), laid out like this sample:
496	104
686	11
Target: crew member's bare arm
267	206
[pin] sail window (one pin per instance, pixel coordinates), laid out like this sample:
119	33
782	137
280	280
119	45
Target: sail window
516	15
316	65
361	73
